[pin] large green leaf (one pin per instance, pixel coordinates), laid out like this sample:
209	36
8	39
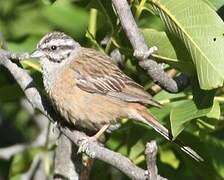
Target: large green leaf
214	151
201	30
24	23
67	17
180	116
171	50
215	4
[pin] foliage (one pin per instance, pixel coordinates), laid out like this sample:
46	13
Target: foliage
190	37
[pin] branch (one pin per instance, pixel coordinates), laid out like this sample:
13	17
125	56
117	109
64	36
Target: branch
26	83
156	88
64	167
142	52
151	152
113	158
7	152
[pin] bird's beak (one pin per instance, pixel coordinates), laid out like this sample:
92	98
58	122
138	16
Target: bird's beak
36	54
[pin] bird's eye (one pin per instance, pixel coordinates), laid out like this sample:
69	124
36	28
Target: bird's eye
53	48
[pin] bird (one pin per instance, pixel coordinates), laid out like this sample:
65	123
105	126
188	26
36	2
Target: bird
90	91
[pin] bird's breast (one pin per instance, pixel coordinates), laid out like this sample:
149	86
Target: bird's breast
88	110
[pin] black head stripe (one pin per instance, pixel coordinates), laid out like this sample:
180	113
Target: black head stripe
62	47
62	43
55	60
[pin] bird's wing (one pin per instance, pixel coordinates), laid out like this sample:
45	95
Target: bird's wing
95	73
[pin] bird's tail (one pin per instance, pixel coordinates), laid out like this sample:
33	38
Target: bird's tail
148	119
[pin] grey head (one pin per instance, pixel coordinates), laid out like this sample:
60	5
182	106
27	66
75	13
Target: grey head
55	47
55	50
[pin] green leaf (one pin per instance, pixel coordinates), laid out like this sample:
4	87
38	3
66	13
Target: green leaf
181	115
211	120
211	149
171	50
215	4
34	65
215	111
201	30
30	21
67	17
215	148
106	18
10	93
136	151
167	156
21	161
27	45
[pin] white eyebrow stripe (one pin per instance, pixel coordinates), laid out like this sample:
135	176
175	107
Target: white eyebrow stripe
67	42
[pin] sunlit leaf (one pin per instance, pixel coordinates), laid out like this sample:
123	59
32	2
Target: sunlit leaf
215	4
24	23
22	161
171	50
68	17
181	115
201	30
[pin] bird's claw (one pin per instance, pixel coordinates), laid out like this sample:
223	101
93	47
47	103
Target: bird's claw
83	146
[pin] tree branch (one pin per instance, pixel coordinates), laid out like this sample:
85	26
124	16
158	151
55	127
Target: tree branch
7	152
64	167
113	158
151	152
142	52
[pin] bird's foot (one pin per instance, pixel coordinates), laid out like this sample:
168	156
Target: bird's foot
84	146
145	54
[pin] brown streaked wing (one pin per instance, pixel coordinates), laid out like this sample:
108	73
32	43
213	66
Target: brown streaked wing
96	73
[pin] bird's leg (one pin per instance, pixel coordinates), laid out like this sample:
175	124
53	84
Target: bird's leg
83	147
100	132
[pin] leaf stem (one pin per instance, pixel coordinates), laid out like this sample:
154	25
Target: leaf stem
92	22
166	101
139	9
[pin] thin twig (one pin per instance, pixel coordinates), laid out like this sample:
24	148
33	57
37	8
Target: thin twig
7	152
151	152
64	167
142	52
156	88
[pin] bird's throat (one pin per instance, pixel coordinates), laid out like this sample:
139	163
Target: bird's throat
51	71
